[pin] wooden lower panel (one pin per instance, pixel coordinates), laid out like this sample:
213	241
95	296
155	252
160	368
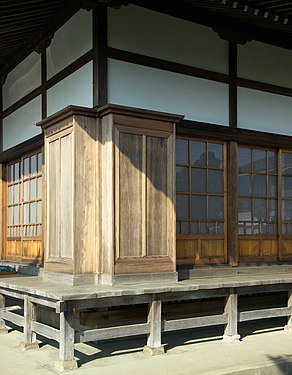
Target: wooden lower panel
269	248
260	249
144	265
249	248
26	250
13	249
287	247
186	250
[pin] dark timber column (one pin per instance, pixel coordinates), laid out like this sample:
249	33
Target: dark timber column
232	160
100	55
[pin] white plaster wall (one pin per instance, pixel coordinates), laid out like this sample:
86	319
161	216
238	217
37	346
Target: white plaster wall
75	89
264	111
265	63
70	42
23	79
143	31
20	125
142	87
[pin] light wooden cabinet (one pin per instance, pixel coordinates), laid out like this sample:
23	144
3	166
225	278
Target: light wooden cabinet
70	180
137	193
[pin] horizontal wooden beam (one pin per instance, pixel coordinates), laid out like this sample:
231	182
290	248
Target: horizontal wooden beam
264	313
12	317
45	330
112	332
188	323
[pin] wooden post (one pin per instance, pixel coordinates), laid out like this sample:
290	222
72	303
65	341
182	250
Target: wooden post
66	360
29	337
3	329
231	309
154	346
288	326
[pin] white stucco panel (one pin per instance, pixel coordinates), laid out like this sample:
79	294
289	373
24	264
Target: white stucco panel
143	87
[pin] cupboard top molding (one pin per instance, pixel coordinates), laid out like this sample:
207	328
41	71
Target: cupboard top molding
100	112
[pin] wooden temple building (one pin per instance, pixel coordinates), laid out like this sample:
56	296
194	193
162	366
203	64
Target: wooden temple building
146	158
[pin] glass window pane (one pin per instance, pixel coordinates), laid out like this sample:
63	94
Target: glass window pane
33	165
198	207
40	162
244	159
182	179
16	194
10	173
33	212
215	155
259	161
287	210
16	215
287	187
182	151
33	189
244	184
198	154
215	182
216	208
212	227
16	171
260	210
287	163
39	194
220	228
272	186
271	228
177	227
26	167
203	228
272	162
39	218
272	210
26	214
198	180
194	228
259	185
10	215
10	195
26	191
244	209
185	228
182	207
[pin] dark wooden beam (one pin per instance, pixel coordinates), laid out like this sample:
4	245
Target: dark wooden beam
265	87
1	117
22	148
44	83
169	66
233	85
100	86
187	128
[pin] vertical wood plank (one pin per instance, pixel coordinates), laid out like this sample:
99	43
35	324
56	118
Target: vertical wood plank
3	210
280	187
1	117
156	196
171	225
231	309
232	84
232	221
99	29
154	346
44	83
29	337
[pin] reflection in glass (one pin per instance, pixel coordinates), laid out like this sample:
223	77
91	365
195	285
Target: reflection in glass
182	207
215	208
198	180
244	209
40	162
198	207
26	167
244	159
215	155
203	228
182	151
272	162
287	186
259	185
272	210
194	228
260	210
10	195
287	163
182	179
259	161
287	210
185	228
272	186
244	184
198	154
33	166
10	173
215	182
